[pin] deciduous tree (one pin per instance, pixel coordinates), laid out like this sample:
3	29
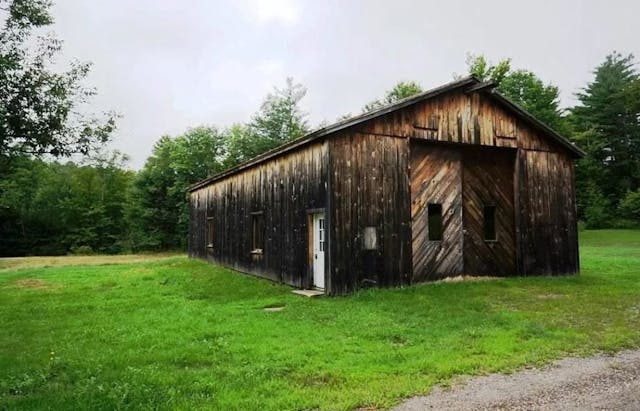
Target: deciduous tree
41	110
400	91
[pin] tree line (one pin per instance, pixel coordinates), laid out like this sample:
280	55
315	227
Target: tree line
52	206
100	206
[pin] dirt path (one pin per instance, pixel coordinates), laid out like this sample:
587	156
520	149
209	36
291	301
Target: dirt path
596	383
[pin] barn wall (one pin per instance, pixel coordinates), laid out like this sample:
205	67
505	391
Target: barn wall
283	189
457	117
376	177
369	187
546	213
544	191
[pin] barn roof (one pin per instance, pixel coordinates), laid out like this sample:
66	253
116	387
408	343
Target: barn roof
470	83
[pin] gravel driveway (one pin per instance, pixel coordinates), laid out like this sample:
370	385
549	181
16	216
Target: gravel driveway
596	383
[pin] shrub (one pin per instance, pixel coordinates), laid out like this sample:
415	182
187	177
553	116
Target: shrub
598	213
630	206
82	250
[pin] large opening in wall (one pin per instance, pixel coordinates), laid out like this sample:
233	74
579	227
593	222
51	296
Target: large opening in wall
434	216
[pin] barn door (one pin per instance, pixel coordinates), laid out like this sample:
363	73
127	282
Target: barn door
436	211
319	242
488	211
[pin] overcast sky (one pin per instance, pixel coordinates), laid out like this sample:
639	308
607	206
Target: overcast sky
169	65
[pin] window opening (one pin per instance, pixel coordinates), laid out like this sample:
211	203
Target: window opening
434	215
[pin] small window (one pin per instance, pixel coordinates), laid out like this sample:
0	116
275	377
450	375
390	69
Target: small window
257	232
321	239
210	232
434	215
490	223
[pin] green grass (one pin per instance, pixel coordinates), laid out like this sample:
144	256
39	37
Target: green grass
181	334
16	263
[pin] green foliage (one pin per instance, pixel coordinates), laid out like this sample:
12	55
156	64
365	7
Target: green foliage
523	88
39	108
479	66
158	213
400	91
183	334
608	122
243	144
82	250
280	119
542	100
597	212
50	208
630	206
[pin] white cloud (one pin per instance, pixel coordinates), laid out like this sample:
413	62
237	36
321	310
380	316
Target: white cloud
280	11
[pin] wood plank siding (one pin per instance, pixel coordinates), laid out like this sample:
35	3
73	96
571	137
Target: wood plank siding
487	181
436	177
282	190
462	180
547	222
543	192
504	184
457	117
369	188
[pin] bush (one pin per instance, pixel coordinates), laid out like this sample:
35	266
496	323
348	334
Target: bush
630	206
598	213
48	249
82	250
625	224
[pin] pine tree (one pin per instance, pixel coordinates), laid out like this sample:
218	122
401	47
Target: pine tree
608	122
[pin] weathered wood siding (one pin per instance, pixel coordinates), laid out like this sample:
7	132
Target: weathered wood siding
536	213
436	177
283	189
457	117
369	187
487	180
463	150
546	214
463	179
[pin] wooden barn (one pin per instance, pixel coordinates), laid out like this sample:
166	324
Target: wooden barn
454	181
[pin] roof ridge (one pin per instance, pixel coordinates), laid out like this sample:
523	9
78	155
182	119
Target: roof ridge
351	121
337	126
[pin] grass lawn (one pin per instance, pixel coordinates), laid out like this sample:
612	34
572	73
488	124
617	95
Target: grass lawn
176	333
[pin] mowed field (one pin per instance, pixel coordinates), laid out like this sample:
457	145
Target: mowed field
166	332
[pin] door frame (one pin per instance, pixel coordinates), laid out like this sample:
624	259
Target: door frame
310	242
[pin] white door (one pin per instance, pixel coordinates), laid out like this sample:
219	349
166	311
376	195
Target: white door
319	241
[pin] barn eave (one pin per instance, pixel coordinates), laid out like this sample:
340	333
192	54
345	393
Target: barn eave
471	83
